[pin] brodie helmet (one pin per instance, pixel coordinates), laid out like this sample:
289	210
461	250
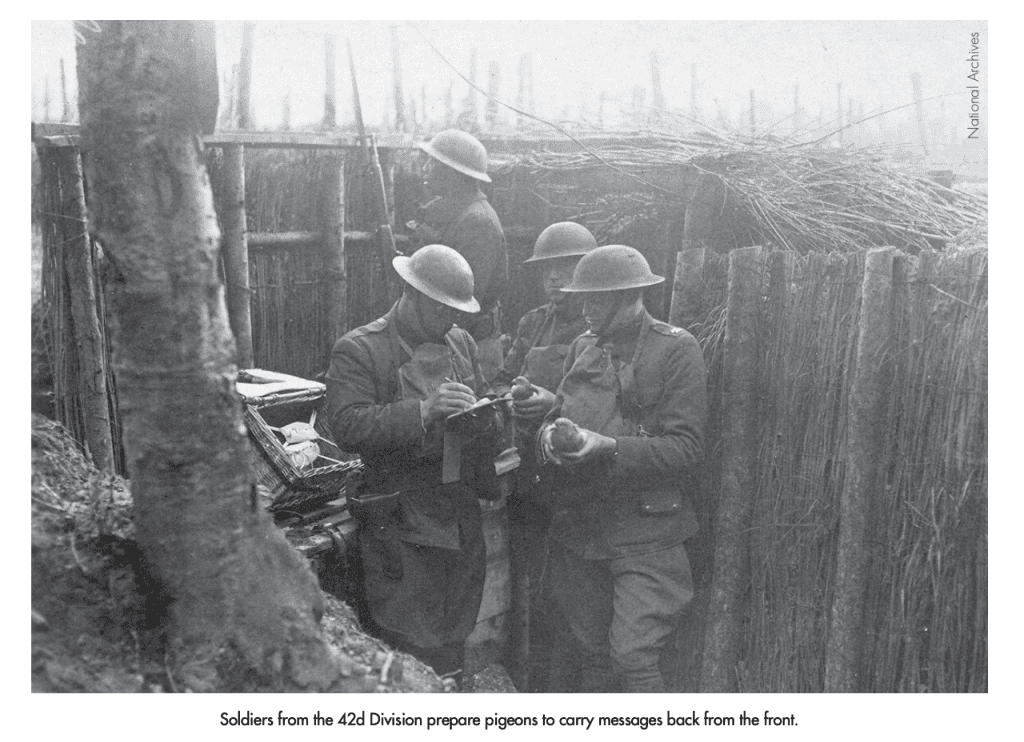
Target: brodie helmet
440	273
460	151
562	240
612	268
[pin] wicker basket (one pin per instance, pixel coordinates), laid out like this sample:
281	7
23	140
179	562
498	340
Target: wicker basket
290	399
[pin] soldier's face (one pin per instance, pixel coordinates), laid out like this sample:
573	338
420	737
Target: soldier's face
556	274
608	311
435	178
437	318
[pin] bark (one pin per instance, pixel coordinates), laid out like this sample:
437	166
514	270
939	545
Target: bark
236	254
241	606
91	354
871	380
724	632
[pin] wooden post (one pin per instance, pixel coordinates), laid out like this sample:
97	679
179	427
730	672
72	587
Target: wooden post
915	81
693	90
521	95
330	92
46	99
89	346
396	68
658	96
531	103
687	288
286	111
236	254
865	436
245	75
66	110
469	108
723	636
334	254
753	114
493	93
449	105
423	122
600	110
839	110
796	110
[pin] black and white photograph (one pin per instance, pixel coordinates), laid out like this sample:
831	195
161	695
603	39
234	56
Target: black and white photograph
590	360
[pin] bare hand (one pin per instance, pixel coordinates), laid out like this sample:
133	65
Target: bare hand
448	399
595	446
535	406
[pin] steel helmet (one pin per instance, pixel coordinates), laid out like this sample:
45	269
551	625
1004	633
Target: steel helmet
562	240
440	273
459	150
612	268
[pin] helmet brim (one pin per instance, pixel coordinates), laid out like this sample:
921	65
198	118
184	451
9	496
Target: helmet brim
403	268
548	258
652	281
443	158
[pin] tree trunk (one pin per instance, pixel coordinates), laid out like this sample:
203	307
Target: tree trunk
241	606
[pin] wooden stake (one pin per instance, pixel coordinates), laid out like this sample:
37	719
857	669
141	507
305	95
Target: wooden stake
753	114
469	109
915	81
865	435
796	110
839	110
334	255
658	96
693	91
245	75
286	111
521	95
449	105
236	254
493	93
396	68
46	99
688	288
723	636
330	86
89	345
66	112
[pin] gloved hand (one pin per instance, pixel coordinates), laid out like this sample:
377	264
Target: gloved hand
534	407
448	399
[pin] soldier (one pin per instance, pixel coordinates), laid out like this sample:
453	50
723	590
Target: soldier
635	387
457	214
537	355
390	387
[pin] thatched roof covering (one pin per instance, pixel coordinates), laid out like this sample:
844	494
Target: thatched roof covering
801	197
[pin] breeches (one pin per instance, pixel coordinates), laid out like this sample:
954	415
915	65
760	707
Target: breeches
623	608
436	600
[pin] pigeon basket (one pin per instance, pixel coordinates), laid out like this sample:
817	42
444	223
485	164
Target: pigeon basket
292	454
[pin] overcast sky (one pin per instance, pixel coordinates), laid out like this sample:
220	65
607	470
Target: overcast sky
575	61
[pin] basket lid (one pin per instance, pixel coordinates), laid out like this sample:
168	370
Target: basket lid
260	387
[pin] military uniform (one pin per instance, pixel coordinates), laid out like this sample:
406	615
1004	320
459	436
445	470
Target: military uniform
470	226
538	353
424	561
619	566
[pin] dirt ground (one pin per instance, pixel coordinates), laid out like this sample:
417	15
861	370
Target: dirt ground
91	631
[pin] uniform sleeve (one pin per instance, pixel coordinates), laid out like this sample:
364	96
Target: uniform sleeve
358	419
682	414
512	366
